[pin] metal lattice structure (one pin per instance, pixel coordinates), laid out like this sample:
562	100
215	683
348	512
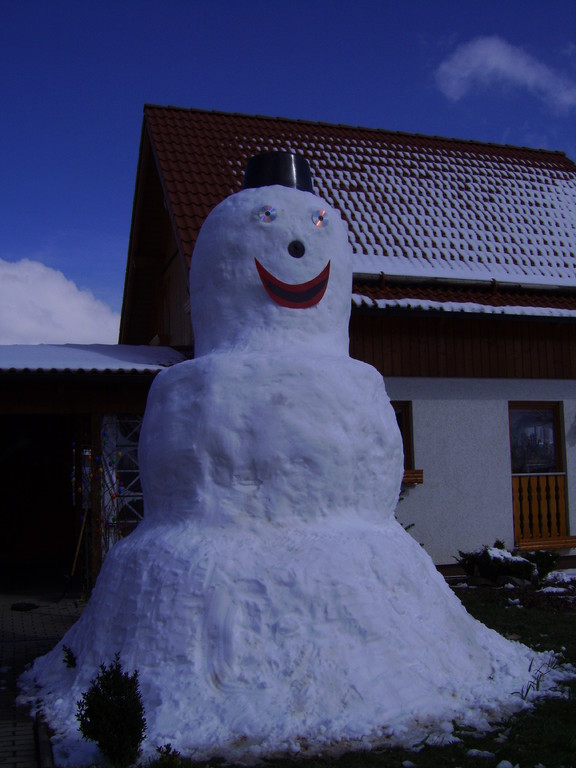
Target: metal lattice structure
121	492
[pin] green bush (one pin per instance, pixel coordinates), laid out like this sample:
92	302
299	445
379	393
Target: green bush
111	714
168	757
544	561
495	562
69	657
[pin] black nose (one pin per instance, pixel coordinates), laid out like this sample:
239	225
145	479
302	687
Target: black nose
296	249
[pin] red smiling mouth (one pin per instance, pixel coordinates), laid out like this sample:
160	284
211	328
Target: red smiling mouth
294	296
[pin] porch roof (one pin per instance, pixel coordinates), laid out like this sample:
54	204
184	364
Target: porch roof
86	358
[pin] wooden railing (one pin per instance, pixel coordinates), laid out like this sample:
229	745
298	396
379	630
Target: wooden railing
539	510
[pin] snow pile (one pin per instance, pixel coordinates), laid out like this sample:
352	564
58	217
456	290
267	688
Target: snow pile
251	642
567	576
499	553
269	600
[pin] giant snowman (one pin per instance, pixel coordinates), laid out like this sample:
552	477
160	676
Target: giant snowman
270	600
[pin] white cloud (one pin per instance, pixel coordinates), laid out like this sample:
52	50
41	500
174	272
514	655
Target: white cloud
39	305
490	61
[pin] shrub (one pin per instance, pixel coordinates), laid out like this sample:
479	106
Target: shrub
111	714
544	561
495	562
168	757
69	657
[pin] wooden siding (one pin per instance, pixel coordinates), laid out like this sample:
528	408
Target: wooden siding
174	325
459	345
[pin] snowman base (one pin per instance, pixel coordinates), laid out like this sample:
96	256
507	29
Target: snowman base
282	640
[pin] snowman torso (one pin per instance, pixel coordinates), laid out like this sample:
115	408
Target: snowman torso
235	439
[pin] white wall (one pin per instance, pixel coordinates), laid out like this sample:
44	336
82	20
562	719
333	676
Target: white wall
461	441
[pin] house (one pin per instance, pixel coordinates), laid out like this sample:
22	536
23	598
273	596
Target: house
464	298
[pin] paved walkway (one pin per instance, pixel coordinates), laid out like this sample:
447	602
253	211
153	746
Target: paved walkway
30	625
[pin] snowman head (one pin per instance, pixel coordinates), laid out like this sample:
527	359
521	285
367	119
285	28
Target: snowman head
272	267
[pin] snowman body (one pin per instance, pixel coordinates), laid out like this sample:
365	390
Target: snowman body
270	601
272	421
286	454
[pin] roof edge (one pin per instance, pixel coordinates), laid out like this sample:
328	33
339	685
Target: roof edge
167	199
416	280
126	294
402	134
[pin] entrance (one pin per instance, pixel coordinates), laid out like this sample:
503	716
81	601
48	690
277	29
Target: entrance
538	476
37	517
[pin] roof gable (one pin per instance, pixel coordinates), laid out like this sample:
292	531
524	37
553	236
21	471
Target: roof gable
415	205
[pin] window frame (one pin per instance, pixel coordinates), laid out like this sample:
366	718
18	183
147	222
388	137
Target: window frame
403	413
557	415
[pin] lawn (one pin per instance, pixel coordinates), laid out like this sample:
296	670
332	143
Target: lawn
542	737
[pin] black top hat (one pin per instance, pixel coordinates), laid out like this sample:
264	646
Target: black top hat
283	168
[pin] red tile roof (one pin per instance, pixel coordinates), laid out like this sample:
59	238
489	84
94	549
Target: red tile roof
463	295
416	206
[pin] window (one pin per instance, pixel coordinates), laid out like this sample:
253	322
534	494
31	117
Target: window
403	411
535	438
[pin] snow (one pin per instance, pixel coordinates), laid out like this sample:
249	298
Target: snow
86	357
496	553
565	576
453	306
469	217
270	601
428	264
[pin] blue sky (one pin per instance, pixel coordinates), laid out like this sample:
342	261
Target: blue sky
74	76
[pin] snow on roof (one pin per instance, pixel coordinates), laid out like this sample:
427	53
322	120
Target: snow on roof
461	306
415	205
459	295
113	358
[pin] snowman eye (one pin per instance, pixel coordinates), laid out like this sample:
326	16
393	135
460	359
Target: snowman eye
320	219
267	213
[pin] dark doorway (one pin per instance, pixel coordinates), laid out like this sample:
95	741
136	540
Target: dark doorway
37	516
